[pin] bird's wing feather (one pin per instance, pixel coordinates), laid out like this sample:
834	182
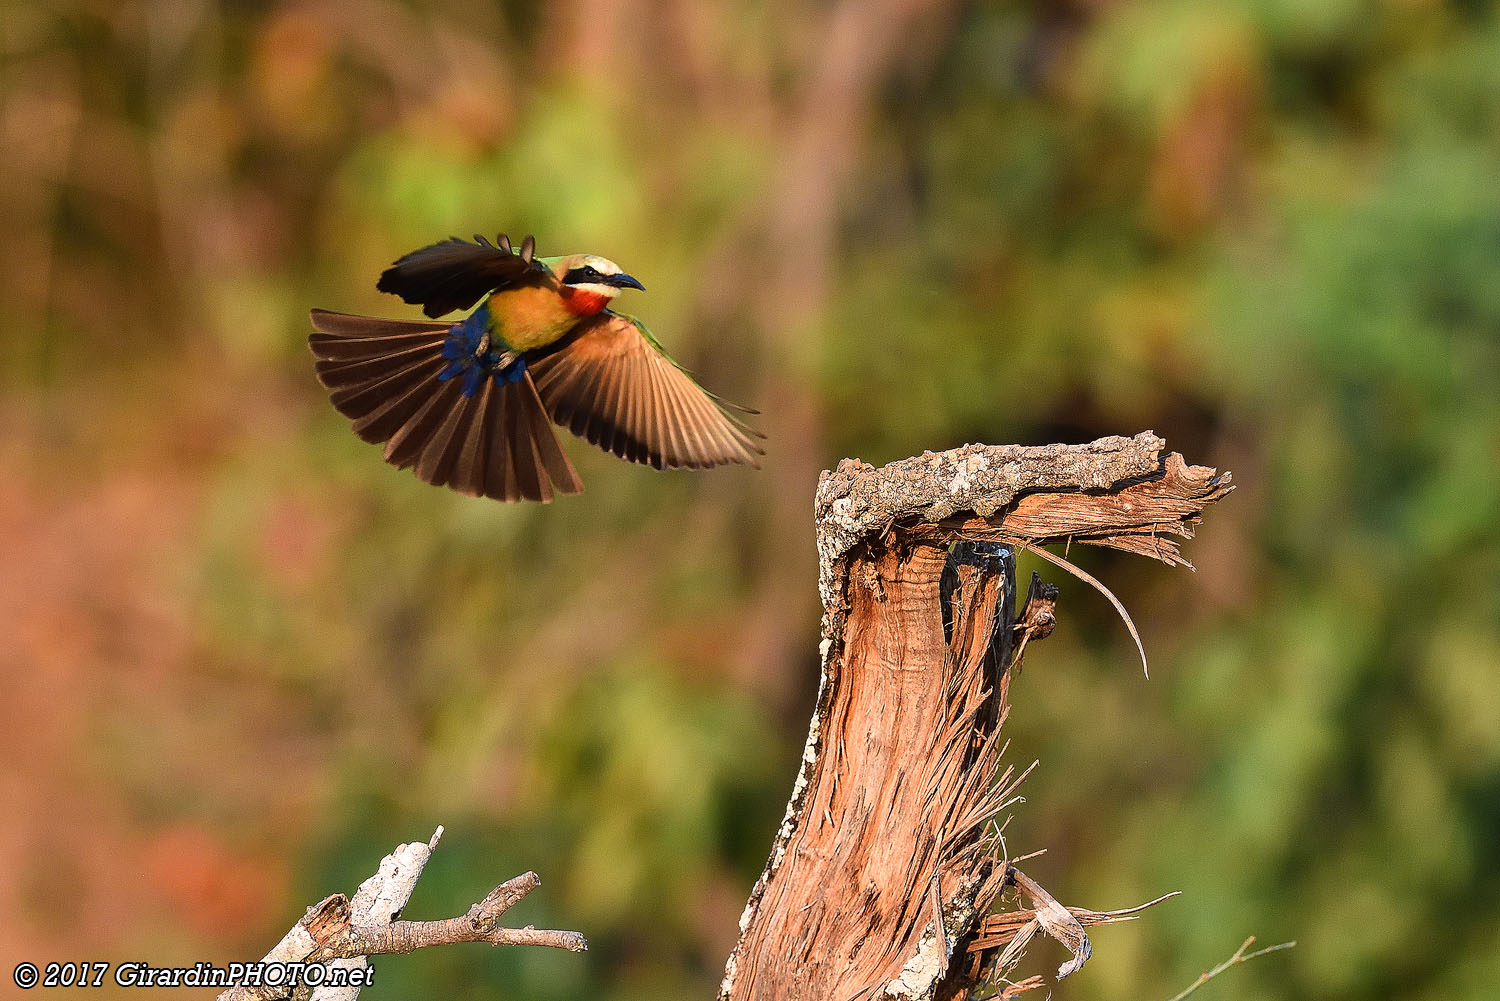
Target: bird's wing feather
383	375
609	381
455	274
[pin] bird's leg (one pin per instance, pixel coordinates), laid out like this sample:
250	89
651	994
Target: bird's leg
483	346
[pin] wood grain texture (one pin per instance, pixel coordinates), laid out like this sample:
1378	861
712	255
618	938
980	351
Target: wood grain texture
893	821
885	868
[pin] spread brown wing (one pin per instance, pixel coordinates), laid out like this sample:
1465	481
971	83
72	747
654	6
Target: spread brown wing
455	274
383	375
611	384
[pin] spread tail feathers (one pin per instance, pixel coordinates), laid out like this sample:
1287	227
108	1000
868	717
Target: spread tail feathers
384	375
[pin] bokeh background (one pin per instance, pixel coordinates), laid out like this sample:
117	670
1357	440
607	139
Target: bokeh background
243	658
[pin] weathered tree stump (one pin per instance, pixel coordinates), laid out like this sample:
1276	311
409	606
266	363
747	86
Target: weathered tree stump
889	860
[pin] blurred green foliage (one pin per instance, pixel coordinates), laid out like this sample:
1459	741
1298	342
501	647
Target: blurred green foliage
248	658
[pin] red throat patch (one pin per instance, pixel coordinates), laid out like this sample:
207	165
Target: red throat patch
581	302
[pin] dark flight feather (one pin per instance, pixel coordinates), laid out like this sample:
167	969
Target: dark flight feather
609	383
455	274
383	375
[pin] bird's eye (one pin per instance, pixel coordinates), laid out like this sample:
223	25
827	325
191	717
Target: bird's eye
578	276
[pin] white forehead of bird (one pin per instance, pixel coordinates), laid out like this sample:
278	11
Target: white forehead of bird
600	264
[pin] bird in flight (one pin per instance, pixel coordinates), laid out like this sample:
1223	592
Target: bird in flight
470	404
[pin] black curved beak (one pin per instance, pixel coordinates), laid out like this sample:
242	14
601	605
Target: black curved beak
623	281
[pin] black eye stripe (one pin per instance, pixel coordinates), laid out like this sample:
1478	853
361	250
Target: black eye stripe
576	276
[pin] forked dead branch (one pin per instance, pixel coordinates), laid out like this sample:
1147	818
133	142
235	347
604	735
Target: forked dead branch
341	932
891	857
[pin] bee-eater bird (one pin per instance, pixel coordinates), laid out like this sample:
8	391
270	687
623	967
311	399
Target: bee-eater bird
470	404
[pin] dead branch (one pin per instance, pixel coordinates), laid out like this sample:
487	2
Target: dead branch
343	933
998	930
1239	956
890	855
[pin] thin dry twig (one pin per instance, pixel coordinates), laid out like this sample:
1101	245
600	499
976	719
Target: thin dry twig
1021	987
480	924
997	929
1089	579
1240	956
